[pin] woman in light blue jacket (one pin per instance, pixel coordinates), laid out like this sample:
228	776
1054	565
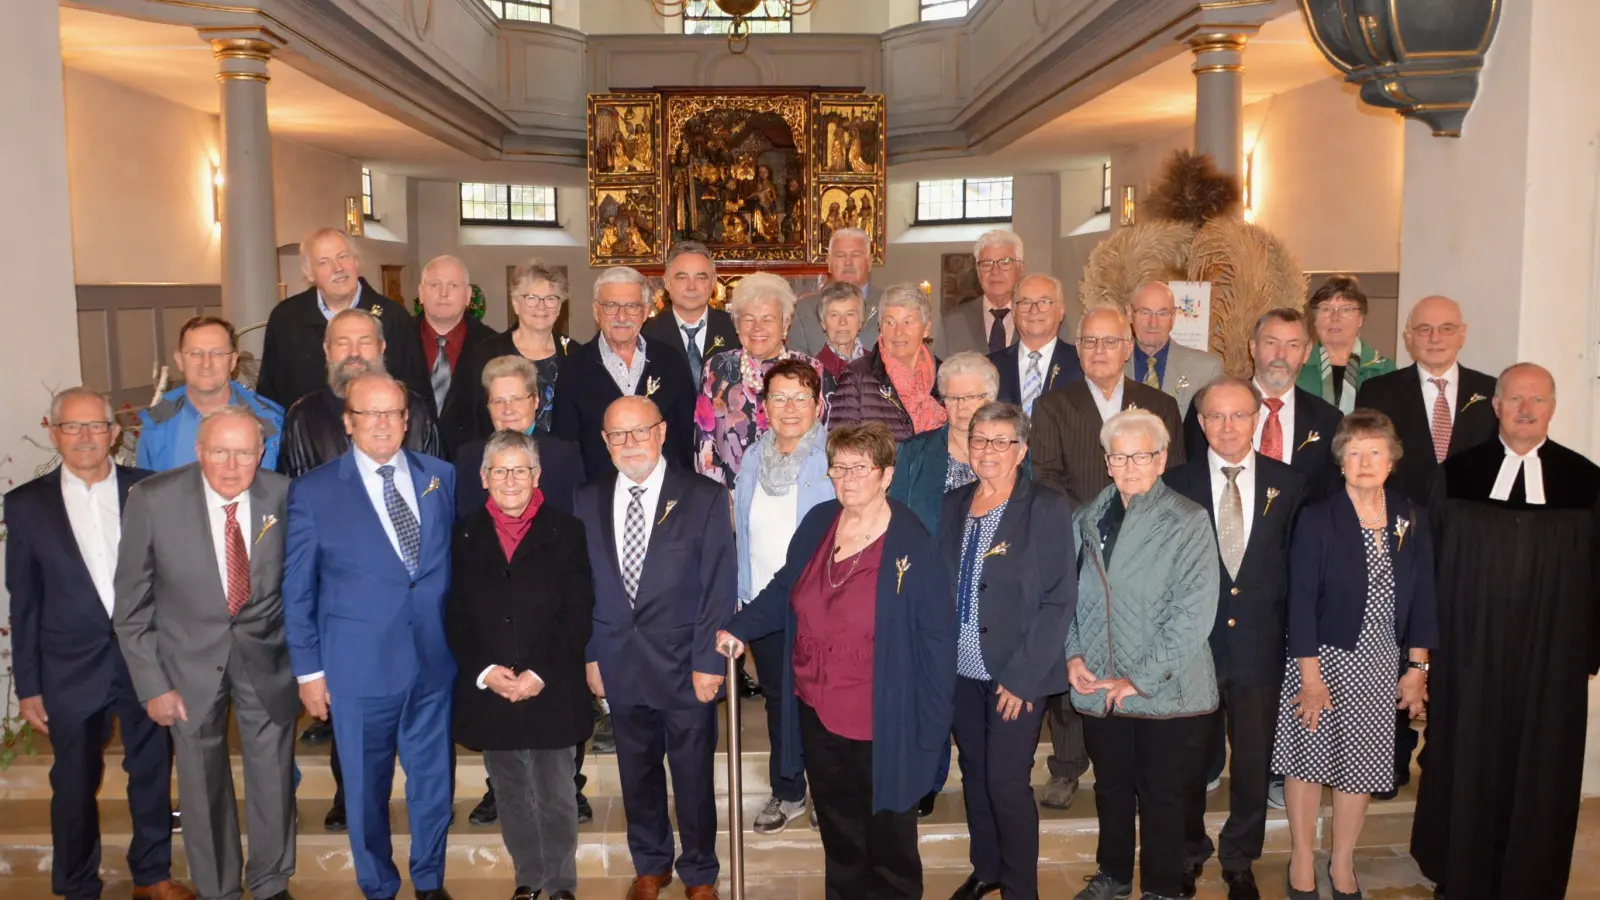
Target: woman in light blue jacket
781	478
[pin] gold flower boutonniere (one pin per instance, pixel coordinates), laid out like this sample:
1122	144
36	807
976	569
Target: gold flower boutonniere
1471	400
565	343
1130	406
1311	438
1183	382
901	565
1054	371
266	526
1375	361
1401	526
433	485
671	504
717	343
887	393
651	385
376	311
1272	494
998	550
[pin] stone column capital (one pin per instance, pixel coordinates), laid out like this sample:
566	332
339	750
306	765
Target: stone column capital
1218	48
242	54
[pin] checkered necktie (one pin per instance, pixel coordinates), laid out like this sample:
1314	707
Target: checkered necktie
405	524
1230	522
441	375
633	542
1032	381
1152	378
1441	421
238	561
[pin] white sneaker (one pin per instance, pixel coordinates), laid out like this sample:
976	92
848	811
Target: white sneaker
777	815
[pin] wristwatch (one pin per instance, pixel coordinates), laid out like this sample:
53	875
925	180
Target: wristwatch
1413	664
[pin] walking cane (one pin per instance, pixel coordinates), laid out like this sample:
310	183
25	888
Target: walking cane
735	785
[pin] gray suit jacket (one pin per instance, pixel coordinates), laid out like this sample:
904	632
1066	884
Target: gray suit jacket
1187	372
805	331
962	329
171	613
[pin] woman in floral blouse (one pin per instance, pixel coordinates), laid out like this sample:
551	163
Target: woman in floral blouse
728	417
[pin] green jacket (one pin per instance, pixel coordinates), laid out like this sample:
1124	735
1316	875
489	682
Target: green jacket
1365	363
1148	619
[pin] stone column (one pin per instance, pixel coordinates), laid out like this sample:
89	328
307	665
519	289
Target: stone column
249	245
1219	94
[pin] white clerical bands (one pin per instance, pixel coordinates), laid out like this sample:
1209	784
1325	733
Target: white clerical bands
1532	477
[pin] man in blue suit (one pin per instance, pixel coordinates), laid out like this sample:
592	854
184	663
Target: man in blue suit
1039	360
665	579
61	559
366	574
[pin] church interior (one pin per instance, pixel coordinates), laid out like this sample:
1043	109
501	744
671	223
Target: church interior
164	158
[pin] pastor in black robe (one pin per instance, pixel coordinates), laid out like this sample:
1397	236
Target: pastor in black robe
1497	809
313	431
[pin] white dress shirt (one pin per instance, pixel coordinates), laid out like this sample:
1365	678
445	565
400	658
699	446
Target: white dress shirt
1046	354
217	520
96	519
1532	476
373	482
699	337
648	500
1109	406
1285	419
1246	480
1009	323
1430	391
773	520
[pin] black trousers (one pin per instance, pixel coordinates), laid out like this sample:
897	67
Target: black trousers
1143	767
996	764
78	741
868	855
769	670
1248	721
687	740
1068	756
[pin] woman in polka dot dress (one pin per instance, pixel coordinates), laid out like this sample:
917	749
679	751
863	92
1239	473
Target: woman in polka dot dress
1361	622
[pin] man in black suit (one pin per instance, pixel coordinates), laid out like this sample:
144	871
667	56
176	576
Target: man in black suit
447	335
665	579
291	352
1439	408
694	330
1296	427
71	679
622	362
1038	361
1253	501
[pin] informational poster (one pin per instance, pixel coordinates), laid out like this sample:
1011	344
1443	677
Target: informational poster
1191	326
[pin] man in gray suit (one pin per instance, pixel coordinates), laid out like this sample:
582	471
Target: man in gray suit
1158	362
850	261
200	621
989	324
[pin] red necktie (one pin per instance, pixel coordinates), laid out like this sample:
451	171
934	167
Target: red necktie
1441	421
1272	431
238	562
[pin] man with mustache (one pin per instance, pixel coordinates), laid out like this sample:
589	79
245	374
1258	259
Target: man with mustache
849	261
1517	526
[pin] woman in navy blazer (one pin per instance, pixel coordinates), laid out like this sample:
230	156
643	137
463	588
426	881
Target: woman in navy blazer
863	602
1361	623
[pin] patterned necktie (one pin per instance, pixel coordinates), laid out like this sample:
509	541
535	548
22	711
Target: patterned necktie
692	347
1230	522
238	561
997	331
441	375
1032	381
1272	430
633	542
1441	421
1152	378
405	524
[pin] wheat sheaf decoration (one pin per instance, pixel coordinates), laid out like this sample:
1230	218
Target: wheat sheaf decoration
1250	272
1194	190
1149	251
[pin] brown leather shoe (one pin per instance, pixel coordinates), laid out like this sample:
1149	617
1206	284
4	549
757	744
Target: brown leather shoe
648	887
702	892
163	890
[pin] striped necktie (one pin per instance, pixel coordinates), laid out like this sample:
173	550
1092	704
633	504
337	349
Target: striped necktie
1032	382
1151	377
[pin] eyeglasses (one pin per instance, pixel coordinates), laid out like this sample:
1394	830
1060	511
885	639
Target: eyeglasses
78	427
511	473
783	401
1154	313
639	435
850	473
221	456
506	402
1337	312
1091	343
200	356
998	445
1444	331
951	399
546	300
1004	265
375	416
1031	305
1238	418
1118	460
628	309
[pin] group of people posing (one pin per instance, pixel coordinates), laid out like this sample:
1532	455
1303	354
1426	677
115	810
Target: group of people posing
433	534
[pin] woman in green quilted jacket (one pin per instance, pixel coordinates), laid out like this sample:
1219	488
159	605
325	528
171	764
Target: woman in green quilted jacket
1138	657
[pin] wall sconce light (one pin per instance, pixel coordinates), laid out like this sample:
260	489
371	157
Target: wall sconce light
353	224
216	196
1250	186
1130	205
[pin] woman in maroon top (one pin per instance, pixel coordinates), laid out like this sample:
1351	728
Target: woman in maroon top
864	604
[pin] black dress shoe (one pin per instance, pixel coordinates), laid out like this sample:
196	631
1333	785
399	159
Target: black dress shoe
925	805
177	822
1191	874
604	740
318	732
1241	885
562	895
523	892
281	895
435	894
585	813
485	812
335	819
972	889
747	686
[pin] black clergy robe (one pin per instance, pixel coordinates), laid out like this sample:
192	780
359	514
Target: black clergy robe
1497	808
313	431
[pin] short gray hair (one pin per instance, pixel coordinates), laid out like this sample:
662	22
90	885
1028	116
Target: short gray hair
353	312
838	292
537	269
623	275
1135	421
512	365
1152	282
970	363
1198	401
507	441
685	248
1057	290
851	234
60	398
1282	314
906	296
232	412
1005	414
999	237
763	286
